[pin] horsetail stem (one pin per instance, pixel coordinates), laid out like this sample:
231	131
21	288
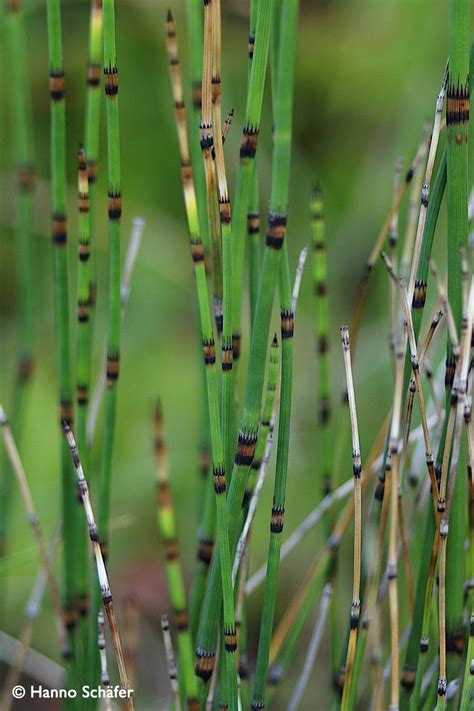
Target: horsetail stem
19	472
253	234
170	661
258	346
61	298
105	590
227	356
24	160
392	564
207	131
242	543
241	614
357	469
206	533
322	332
195	35
248	150
83	376
204	662
174	574
393	243
111	86
452	328
83	304
468	680
457	121
104	672
279	493
205	549
378	515
412	220
253	212
252	494
92	122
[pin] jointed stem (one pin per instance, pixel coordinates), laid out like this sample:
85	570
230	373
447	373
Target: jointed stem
59	235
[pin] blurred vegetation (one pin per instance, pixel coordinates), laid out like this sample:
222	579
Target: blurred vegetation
367	77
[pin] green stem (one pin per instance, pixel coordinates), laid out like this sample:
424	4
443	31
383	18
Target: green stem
457	120
60	263
248	149
278	507
111	85
92	127
83	383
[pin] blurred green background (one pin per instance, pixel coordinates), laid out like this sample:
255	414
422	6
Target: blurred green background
367	76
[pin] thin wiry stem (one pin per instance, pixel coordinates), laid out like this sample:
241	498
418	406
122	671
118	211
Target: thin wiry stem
421	360
170	662
412	218
393	243
447	309
357	469
105	590
104	672
313	649
392	564
298	278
